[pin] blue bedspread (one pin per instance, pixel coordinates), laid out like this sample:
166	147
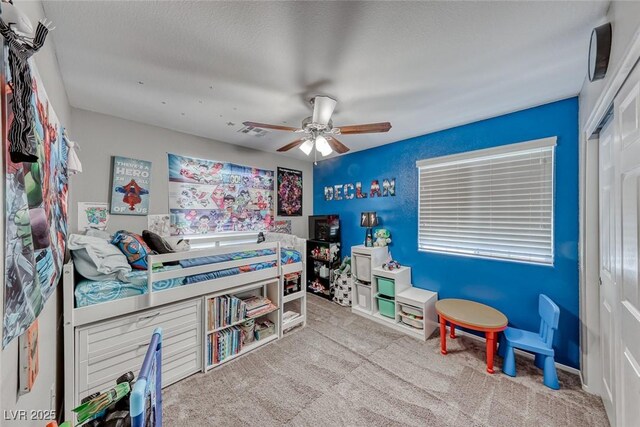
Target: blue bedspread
90	292
287	256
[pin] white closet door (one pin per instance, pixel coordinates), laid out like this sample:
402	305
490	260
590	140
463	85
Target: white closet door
627	114
608	287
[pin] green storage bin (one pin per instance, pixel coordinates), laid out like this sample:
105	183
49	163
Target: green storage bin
386	287
386	306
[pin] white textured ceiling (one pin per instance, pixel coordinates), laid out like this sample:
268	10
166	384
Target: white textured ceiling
208	66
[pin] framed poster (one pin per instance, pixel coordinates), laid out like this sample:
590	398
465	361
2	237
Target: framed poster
93	215
208	196
130	186
289	192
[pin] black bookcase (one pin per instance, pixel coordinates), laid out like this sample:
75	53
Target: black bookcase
323	254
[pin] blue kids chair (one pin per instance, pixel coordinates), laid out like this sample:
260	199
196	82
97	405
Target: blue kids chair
540	343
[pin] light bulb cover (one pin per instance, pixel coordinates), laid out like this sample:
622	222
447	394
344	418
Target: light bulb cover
307	146
323	146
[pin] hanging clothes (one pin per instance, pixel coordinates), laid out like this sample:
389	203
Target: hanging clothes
73	161
22	143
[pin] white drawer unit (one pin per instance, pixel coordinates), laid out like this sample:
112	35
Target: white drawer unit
106	350
416	312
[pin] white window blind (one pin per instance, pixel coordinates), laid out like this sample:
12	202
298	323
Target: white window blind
495	203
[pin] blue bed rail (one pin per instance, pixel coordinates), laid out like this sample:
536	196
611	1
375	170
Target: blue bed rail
146	396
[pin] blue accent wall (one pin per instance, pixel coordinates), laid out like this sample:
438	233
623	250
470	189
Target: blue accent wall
511	287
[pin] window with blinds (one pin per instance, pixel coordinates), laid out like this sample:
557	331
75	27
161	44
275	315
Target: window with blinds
493	203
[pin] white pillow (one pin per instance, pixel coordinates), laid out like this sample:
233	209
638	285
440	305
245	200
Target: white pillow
97	259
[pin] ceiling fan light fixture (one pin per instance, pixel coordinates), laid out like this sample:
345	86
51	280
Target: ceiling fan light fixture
323	107
323	146
307	146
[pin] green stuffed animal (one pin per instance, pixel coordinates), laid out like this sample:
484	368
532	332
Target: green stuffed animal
383	237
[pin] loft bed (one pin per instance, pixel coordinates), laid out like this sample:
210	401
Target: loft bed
106	323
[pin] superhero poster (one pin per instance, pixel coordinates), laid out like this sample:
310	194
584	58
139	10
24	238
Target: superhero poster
130	186
289	192
207	196
35	209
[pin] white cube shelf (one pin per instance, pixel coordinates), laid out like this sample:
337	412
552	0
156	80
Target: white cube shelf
420	302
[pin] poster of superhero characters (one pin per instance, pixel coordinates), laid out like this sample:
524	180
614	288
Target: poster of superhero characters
35	210
207	196
130	186
93	215
289	192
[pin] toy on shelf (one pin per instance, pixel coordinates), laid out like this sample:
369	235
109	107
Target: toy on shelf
391	264
383	237
321	253
316	286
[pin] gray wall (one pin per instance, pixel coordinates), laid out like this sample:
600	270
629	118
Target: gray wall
50	322
625	22
101	136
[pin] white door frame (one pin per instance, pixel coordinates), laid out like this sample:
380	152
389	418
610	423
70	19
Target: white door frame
590	366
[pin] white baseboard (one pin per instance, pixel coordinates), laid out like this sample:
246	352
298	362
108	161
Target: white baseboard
525	354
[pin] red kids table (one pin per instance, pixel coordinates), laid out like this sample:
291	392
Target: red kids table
471	315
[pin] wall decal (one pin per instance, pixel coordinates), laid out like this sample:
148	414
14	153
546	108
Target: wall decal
289	192
93	215
207	196
346	191
35	210
130	186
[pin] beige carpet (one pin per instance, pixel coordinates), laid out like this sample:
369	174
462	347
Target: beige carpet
342	369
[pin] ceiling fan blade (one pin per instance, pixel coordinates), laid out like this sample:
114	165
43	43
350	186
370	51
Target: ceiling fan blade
323	107
337	146
291	145
369	128
268	126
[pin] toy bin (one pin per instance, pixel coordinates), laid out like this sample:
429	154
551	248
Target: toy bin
364	296
386	286
386	306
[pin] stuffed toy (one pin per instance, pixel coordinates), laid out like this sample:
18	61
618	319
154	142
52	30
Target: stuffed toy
383	237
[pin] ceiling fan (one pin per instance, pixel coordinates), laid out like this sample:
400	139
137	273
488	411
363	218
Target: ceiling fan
319	132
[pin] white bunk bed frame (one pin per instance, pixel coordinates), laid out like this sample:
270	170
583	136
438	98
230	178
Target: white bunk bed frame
201	246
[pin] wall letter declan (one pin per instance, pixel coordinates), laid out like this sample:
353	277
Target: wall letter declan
359	193
337	192
328	193
348	191
375	189
388	187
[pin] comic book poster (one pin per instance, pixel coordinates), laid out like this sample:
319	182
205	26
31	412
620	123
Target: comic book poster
289	192
92	215
35	210
207	196
130	186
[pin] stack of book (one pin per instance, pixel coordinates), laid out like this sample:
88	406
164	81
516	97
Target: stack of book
223	344
225	310
258	306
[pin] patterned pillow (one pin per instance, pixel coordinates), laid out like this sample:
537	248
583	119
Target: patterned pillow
133	247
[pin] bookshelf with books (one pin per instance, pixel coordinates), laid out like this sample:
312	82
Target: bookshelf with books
240	320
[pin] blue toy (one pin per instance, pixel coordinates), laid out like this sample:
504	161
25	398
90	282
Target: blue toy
540	343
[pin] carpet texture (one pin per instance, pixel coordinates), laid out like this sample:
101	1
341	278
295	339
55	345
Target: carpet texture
344	370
